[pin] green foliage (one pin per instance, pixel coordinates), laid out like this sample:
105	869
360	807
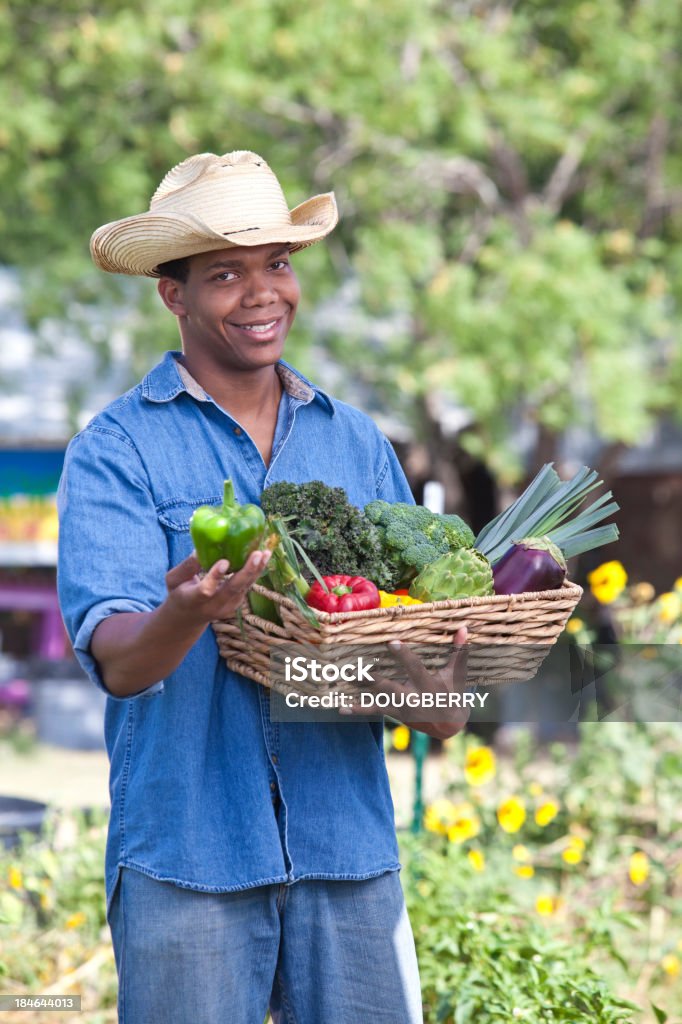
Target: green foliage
552	876
52	913
508	177
481	960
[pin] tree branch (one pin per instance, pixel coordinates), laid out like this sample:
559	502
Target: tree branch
561	178
655	201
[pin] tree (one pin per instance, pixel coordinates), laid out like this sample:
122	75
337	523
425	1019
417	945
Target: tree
508	175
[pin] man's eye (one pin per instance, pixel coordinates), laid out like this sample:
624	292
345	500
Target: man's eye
226	274
278	264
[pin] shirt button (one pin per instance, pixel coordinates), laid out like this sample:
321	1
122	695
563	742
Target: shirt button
273	786
275	759
237	430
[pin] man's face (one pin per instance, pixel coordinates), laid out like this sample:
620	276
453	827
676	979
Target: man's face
236	306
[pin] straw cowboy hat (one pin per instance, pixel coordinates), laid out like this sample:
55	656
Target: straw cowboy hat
211	202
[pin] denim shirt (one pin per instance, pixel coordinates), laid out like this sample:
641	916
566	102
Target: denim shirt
194	758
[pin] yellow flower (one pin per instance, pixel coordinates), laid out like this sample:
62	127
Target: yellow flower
576	841
620	242
76	920
476	859
677	585
547	905
443	814
479	766
607	581
642	593
401	737
671	965
546	812
524	870
669	606
465	824
511	814
535	789
15	878
574	626
457	821
573	852
638	868
438	816
520	852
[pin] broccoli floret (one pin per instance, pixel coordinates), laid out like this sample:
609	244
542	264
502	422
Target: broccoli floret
413	536
337	536
378	511
458	534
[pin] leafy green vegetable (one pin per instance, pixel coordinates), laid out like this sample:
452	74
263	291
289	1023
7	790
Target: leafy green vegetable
335	534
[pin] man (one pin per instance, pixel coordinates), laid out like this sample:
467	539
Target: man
249	862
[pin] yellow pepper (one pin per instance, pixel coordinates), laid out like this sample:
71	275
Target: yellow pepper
389	600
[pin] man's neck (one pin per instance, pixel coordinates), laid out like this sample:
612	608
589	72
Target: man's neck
245	395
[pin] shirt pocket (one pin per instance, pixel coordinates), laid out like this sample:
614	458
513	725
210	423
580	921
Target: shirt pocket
174	516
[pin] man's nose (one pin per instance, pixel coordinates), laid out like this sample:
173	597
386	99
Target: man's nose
259	290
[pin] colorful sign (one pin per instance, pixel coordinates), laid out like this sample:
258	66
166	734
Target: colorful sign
29	478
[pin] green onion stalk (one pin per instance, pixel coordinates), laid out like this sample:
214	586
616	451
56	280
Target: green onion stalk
547	508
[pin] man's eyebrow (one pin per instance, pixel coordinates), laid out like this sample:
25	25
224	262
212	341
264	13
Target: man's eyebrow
238	263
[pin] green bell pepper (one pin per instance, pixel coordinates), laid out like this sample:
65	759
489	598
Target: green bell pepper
230	531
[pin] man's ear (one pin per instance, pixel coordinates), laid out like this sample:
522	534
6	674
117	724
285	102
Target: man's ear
173	294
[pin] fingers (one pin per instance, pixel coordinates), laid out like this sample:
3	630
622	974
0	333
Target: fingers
457	663
252	569
183	572
237	585
214	578
214	581
413	665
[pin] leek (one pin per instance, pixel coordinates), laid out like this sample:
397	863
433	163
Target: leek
548	508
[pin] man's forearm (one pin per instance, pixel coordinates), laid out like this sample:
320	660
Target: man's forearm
135	649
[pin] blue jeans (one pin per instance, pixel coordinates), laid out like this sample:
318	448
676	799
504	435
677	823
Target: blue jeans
314	952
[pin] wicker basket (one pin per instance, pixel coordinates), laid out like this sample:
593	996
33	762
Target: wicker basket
508	636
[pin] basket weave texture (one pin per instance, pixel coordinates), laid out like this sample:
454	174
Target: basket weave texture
508	635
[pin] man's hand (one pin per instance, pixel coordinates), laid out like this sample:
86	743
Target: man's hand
451	679
202	599
136	649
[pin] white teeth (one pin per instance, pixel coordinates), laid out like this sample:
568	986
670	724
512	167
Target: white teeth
259	328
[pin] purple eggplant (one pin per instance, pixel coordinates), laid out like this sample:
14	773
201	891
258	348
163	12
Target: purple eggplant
531	564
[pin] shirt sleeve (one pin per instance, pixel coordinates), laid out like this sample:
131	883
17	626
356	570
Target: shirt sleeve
113	554
391	484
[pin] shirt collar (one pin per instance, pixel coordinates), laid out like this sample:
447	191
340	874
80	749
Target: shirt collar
169	378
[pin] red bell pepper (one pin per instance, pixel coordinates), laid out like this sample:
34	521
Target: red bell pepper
346	594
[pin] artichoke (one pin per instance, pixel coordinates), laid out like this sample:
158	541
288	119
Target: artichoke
458	574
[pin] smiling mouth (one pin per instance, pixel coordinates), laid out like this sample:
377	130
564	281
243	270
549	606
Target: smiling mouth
262	328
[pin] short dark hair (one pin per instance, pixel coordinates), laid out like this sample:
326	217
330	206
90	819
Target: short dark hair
178	270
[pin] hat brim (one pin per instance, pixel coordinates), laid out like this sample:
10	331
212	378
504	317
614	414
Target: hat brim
137	245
